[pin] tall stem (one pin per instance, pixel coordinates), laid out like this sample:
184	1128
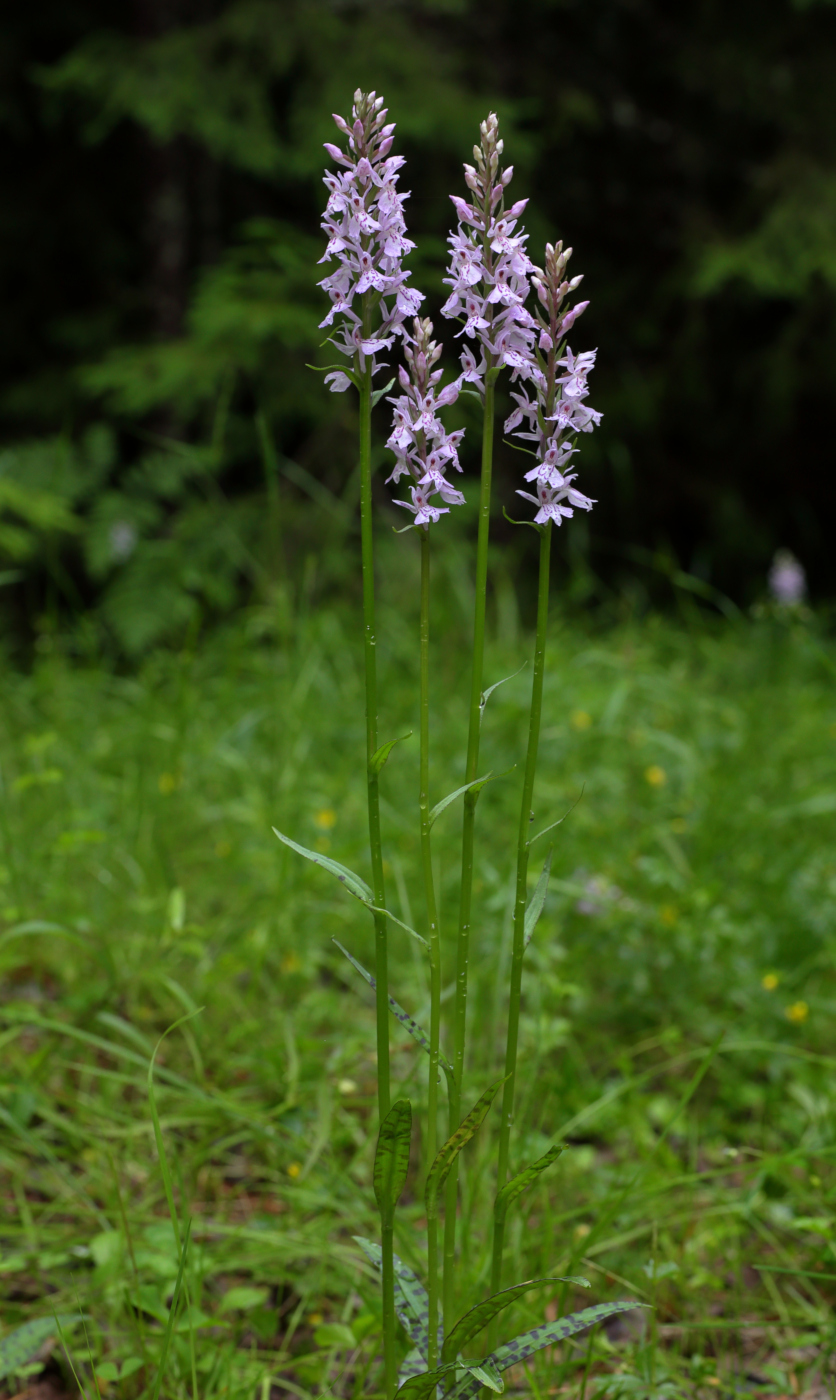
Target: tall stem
434	939
521	891
470	798
376	849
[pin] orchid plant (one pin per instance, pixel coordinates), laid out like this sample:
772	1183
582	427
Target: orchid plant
372	309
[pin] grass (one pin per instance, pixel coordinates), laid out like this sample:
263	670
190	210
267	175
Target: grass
677	1020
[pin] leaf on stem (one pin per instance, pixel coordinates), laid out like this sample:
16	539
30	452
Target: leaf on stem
353	883
559	822
379	757
411	1302
424	1384
377	394
538	899
475	787
515	1187
391	1160
511	1353
413	1364
19	1346
486	694
474	1321
440	1168
397	1011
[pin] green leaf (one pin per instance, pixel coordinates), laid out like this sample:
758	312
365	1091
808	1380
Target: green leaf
413	1364
529	1342
440	1168
379	757
559	822
398	1012
378	393
352	882
515	1187
487	1374
538	899
391	1160
473	1322
19	1346
334	1334
486	694
424	1384
243	1298
475	786
411	1302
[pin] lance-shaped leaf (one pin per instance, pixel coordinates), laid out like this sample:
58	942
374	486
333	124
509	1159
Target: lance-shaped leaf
353	883
380	755
487	1374
538	899
413	1364
472	1323
19	1346
510	1353
411	1302
391	1160
475	786
486	694
424	1384
559	822
440	1168
479	1372
515	1187
377	395
398	1012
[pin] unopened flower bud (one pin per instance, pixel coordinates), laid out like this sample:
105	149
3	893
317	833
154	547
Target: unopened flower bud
386	146
576	282
342	124
507	176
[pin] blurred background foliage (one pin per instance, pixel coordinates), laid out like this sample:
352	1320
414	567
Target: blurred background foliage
163	441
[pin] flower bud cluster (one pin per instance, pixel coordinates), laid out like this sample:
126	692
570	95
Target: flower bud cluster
558	411
489	267
367	235
423	449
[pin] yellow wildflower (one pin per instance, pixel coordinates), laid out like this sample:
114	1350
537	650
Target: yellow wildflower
325	818
770	981
798	1012
656	776
581	720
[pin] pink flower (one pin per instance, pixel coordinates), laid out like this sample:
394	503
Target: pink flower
422	446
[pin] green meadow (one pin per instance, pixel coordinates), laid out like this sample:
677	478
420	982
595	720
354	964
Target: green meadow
679	995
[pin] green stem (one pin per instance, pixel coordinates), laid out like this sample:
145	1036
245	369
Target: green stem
470	799
376	852
387	1280
434	939
521	893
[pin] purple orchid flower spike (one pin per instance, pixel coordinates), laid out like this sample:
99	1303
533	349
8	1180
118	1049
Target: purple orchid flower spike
367	236
489	268
558	411
423	448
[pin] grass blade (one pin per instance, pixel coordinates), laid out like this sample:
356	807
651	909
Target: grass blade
477	1318
391	1160
172	1313
538	899
440	1168
515	1187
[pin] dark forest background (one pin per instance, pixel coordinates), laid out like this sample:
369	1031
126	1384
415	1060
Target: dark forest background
165	452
